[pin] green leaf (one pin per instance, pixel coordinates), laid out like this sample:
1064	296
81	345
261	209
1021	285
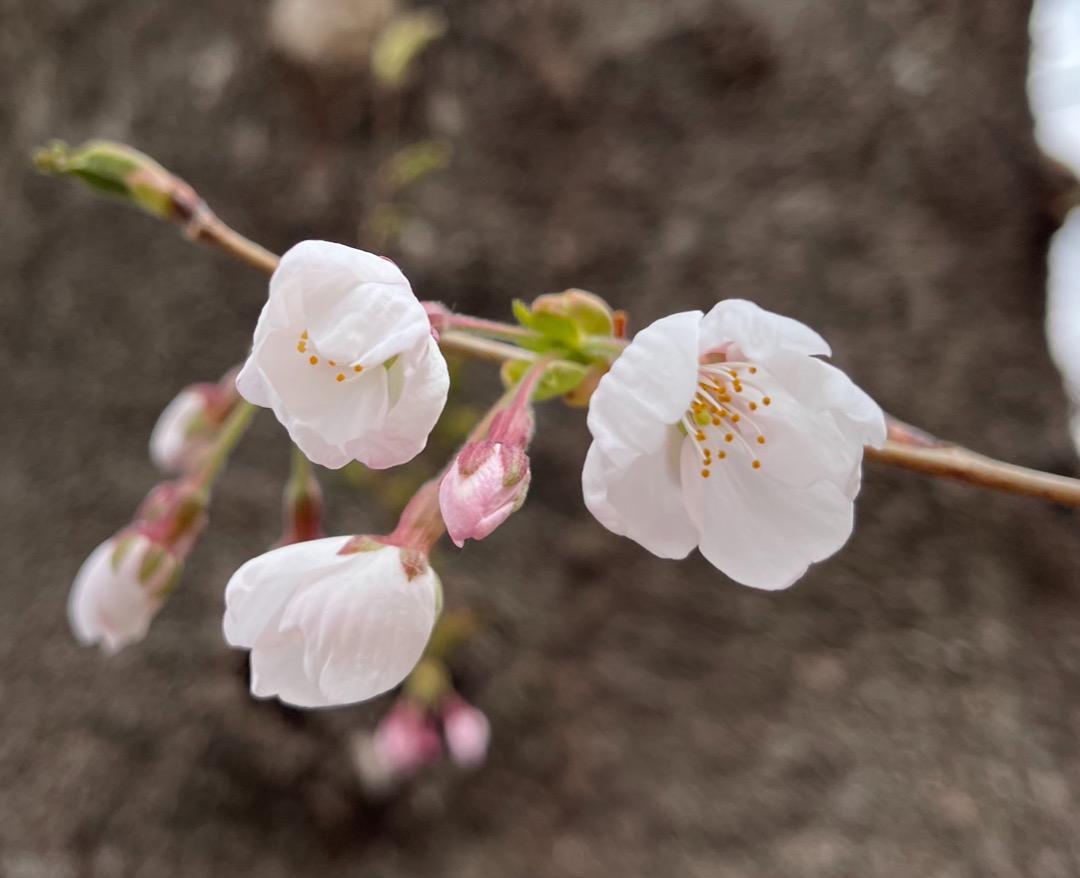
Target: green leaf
559	378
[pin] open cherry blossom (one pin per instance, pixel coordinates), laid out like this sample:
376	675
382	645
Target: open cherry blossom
326	627
727	433
343	354
118	590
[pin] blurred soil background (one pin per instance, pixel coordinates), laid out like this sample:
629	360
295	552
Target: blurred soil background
909	709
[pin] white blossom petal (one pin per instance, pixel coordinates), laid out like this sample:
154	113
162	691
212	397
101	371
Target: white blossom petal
758	531
108	605
171	447
417	387
758	334
259	589
643	499
648	388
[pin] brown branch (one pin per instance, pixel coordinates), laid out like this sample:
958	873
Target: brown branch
118	170
912	449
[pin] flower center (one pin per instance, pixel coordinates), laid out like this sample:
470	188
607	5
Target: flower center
338	373
721	413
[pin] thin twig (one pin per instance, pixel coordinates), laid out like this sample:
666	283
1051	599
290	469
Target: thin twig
209	229
912	449
906	447
483	348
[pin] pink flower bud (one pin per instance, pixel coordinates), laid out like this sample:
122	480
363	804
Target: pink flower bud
484	485
467	732
407	739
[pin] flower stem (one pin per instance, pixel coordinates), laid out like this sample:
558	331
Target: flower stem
205	226
483	348
231	432
493	328
904	448
914	450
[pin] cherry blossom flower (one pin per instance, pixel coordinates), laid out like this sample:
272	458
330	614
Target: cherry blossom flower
725	432
118	591
327	626
344	355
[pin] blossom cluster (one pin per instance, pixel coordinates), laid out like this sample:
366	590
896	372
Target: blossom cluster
723	431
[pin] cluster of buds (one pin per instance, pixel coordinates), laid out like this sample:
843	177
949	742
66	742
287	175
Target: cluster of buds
429	721
124	582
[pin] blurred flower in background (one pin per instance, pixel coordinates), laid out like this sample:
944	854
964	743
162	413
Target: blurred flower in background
1054	93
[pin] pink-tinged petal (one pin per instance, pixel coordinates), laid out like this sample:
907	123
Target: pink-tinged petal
757	333
648	388
483	486
418	384
759	531
643	500
260	589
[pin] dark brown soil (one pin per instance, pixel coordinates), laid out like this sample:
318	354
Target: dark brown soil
907	710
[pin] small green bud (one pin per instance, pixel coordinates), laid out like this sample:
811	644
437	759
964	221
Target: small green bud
118	171
591	314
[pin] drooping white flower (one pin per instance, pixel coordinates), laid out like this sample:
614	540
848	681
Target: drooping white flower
726	432
327	628
343	354
118	590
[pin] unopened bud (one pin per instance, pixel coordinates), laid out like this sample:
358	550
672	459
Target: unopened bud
119	589
190	423
122	172
591	314
485	485
467	732
405	741
302	514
